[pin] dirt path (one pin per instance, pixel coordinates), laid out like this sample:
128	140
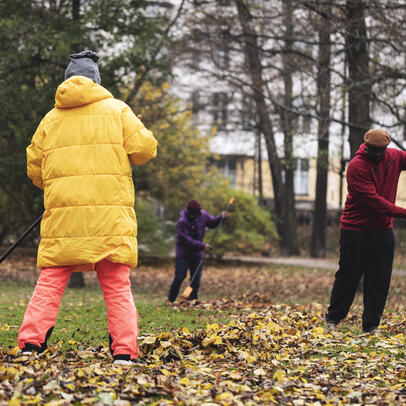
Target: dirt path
317	263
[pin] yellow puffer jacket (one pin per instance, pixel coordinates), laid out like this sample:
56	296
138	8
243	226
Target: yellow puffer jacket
80	155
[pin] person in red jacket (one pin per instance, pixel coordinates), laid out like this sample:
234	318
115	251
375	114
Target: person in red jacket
367	241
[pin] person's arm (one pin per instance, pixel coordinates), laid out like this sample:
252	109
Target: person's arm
186	240
213	222
139	143
363	188
34	157
402	160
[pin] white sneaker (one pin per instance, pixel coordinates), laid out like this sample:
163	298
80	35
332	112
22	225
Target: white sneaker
123	362
28	353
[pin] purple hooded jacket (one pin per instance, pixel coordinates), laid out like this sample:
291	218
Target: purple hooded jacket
190	233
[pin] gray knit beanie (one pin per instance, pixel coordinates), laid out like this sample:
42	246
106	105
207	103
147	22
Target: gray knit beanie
84	64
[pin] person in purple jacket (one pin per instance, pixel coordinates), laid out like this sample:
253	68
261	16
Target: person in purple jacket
189	246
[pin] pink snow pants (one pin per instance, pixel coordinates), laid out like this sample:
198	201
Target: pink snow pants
122	316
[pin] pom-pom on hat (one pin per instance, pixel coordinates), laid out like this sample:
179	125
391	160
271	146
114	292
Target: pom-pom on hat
377	138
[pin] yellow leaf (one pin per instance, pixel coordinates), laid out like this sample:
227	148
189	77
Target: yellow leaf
224	396
11	371
279	375
251	359
149	340
59	402
14	402
235	375
99	371
165	344
260	372
318	331
212	327
141	380
185	381
268	397
13	351
216	339
89	401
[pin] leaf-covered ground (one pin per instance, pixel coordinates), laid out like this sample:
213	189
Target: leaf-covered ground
273	349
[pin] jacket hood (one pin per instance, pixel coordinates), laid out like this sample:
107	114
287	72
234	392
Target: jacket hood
361	153
361	150
79	91
183	215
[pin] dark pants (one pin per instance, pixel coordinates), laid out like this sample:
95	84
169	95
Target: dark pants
363	252
181	267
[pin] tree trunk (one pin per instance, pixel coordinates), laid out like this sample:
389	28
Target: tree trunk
359	83
75	10
288	119
260	182
265	126
3	233
76	280
319	226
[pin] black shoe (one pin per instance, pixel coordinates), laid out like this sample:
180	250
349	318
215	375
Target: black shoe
31	349
330	327
371	330
123	359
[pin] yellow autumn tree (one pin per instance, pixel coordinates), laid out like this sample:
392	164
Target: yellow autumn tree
178	172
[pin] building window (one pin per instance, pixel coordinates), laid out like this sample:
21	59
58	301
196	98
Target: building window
301	177
247	115
221	53
227	166
220	109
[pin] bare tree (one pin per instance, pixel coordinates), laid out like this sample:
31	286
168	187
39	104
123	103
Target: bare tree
285	216
288	120
319	225
359	81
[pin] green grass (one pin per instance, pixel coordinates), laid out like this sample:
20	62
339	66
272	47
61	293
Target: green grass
83	316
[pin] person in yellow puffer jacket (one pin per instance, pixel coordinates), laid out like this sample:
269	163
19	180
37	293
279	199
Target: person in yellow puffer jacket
81	156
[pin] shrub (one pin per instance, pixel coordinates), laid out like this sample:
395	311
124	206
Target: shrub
249	229
155	236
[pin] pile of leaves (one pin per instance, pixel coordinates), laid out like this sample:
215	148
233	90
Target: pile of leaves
279	356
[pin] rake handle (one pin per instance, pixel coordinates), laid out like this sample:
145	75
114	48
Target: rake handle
26	232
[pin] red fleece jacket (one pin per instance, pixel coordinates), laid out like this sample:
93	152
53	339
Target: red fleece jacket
372	191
